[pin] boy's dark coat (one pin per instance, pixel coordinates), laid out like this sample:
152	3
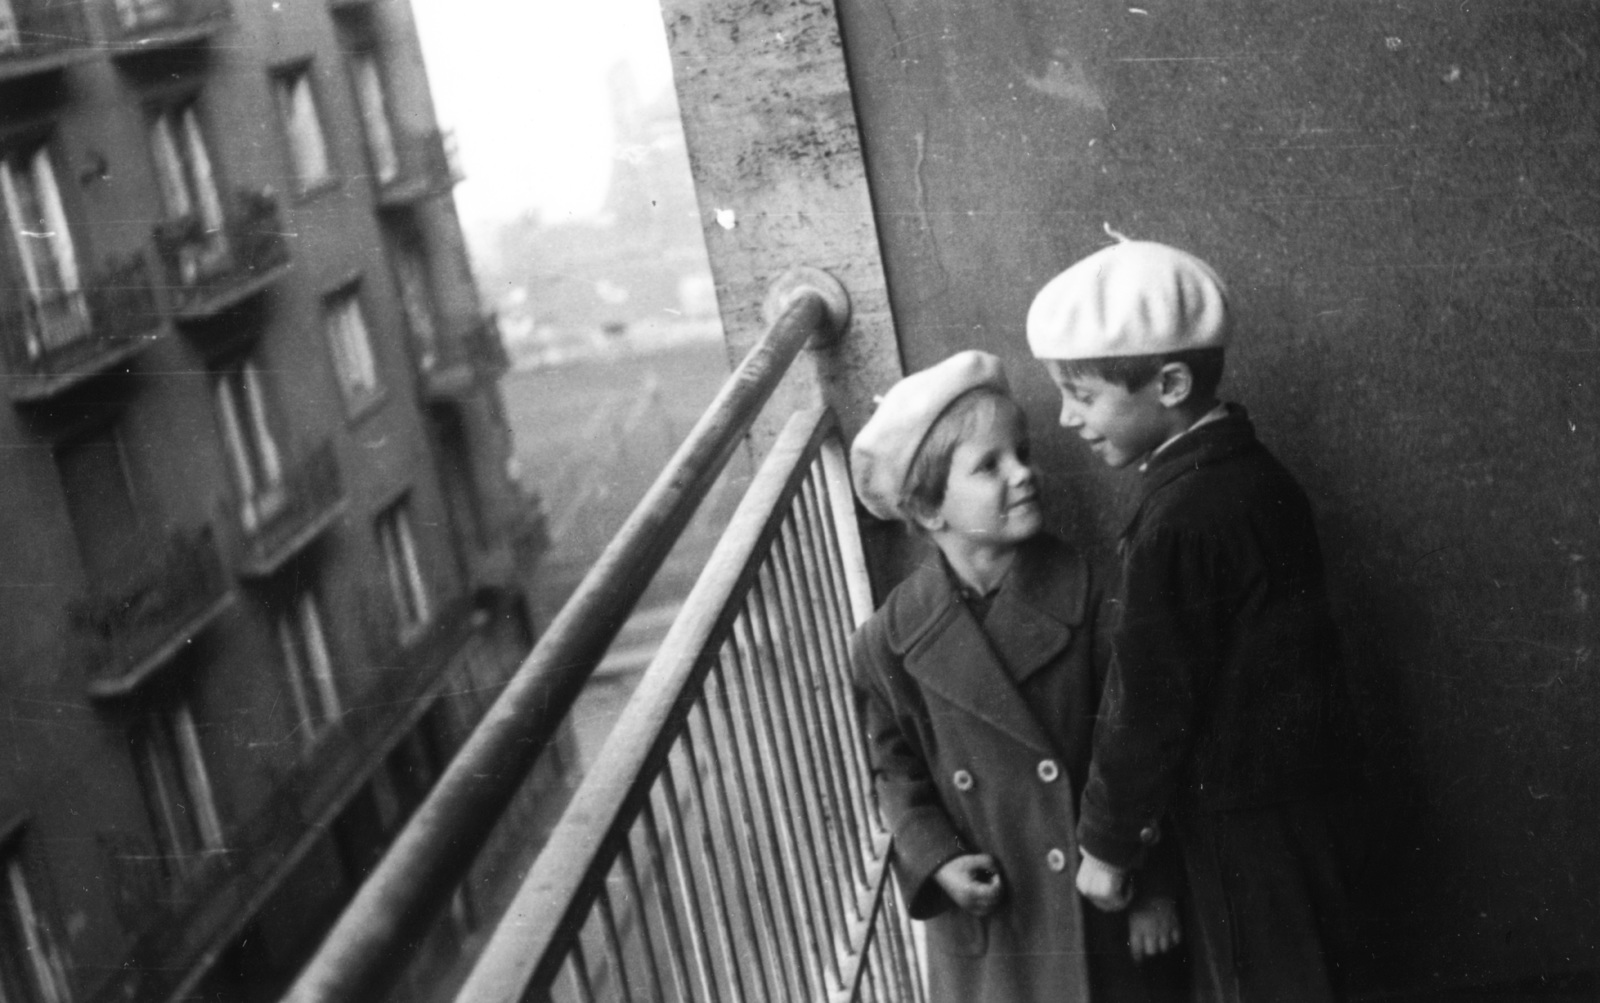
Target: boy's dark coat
945	697
1223	700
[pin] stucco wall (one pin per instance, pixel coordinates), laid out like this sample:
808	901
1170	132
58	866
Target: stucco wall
1403	199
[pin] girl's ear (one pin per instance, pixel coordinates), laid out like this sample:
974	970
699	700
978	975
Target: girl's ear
931	522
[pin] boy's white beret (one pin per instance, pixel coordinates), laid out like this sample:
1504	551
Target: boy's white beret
1135	297
881	455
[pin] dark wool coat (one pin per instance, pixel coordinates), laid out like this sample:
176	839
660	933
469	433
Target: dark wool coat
1221	711
979	736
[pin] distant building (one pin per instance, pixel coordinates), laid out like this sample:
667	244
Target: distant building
262	565
635	274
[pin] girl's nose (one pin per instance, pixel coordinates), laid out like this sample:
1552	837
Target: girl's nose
1070	418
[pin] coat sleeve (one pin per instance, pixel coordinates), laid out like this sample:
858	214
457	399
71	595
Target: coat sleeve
925	839
1167	645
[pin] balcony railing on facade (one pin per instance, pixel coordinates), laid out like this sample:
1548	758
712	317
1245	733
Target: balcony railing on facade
128	631
419	166
42	35
55	341
188	922
457	362
724	845
137	26
209	270
284	516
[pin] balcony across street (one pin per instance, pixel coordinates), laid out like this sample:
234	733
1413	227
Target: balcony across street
208	271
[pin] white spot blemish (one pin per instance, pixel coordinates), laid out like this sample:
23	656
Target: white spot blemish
727	219
1452	75
1138	10
1392	43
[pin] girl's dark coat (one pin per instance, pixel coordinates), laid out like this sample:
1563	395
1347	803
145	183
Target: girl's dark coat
979	737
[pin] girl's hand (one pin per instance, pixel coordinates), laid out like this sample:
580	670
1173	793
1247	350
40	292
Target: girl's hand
1109	888
973	882
1153	927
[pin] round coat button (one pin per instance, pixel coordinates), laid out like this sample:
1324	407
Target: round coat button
963	780
1150	835
1048	770
1056	861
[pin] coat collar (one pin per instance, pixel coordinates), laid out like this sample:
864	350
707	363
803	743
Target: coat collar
1210	443
979	667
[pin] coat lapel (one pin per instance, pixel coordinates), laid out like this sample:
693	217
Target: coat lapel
979	668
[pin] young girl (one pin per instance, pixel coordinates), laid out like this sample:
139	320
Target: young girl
980	681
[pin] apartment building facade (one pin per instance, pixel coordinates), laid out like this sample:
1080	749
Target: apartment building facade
263	562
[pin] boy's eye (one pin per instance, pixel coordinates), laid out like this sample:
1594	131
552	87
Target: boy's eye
1024	451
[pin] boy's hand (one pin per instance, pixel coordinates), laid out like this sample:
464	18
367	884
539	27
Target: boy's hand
1153	927
1109	888
973	882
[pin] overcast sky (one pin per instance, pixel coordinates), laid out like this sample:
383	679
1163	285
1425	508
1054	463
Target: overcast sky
523	85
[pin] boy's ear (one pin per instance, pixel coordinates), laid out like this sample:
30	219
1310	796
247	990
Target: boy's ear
931	522
1176	383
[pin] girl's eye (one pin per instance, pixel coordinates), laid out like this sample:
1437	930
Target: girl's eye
1024	450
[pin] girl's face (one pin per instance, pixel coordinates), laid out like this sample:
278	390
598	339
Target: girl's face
991	496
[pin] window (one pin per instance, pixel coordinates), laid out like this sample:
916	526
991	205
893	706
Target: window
416	296
308	145
10	37
374	105
252	449
41	242
30	967
143	13
188	187
99	501
310	668
177	788
404	571
352	348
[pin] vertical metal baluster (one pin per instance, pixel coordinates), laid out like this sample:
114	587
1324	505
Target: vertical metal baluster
613	943
641	908
679	849
682	986
764	861
840	688
820	697
772	620
579	970
803	894
708	854
909	944
761	766
803	731
888	933
725	812
846	621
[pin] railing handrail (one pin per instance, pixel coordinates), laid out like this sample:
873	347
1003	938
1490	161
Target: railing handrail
434	850
558	889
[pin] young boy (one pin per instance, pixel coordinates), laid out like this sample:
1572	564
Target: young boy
980	687
1221	697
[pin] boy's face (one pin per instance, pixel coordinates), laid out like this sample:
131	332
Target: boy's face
1120	425
990	497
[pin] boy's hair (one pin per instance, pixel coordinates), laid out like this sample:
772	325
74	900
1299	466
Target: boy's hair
929	472
1134	372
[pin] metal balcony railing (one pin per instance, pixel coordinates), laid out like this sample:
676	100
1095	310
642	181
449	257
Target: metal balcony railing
284	517
54	342
134	26
129	631
422	168
456	363
208	271
42	35
744	709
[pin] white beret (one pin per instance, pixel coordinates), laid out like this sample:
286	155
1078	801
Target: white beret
881	455
1132	298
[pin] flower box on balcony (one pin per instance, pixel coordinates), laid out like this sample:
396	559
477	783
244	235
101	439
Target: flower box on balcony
423	168
461	360
210	270
130	630
136	26
54	342
42	35
285	517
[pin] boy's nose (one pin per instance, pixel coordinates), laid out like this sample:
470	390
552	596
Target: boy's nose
1070	418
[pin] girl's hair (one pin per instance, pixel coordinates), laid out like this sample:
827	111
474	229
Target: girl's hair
1134	372
929	472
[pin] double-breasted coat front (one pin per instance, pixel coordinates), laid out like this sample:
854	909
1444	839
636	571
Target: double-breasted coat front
980	721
